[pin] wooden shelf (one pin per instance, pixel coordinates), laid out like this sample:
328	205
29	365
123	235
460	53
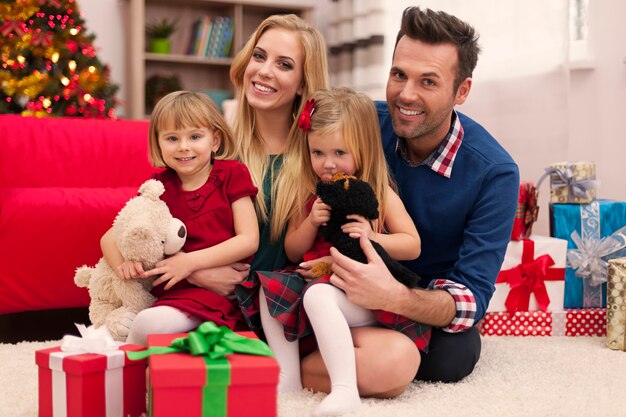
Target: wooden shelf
187	59
194	72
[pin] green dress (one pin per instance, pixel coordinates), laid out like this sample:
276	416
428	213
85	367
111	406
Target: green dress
270	257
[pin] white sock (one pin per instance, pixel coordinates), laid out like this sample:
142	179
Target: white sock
159	320
334	340
287	353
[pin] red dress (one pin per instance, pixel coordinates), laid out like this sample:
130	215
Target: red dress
208	216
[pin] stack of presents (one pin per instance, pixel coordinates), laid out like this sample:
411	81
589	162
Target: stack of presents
210	372
572	283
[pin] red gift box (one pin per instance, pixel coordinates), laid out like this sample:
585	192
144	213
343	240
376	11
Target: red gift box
532	276
574	322
526	213
193	386
74	384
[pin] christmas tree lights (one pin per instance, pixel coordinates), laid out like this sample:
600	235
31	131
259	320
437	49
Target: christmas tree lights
48	64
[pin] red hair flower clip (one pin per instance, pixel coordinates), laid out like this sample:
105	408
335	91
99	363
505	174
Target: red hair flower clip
305	117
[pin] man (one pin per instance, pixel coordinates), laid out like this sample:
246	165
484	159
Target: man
460	188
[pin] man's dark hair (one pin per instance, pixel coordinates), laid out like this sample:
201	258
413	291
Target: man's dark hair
434	27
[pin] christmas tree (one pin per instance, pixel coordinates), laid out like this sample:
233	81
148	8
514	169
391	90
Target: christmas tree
48	62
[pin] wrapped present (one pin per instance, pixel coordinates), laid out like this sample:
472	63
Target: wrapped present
571	182
574	322
616	304
211	372
91	376
595	233
526	213
532	276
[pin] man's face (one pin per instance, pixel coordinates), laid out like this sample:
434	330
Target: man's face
420	89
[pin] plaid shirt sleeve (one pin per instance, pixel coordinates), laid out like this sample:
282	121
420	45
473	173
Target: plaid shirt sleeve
465	305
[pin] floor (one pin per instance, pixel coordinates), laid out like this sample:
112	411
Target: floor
41	325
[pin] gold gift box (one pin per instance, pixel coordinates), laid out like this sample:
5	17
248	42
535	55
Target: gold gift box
583	172
616	304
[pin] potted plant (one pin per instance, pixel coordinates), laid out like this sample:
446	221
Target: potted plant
158	32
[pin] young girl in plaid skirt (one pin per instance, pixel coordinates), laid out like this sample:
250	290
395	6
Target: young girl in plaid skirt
339	133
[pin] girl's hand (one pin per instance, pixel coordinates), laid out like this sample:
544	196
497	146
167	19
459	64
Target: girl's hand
320	213
305	267
174	269
129	269
358	227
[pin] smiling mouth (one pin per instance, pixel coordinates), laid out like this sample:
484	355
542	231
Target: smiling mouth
264	88
408	112
186	159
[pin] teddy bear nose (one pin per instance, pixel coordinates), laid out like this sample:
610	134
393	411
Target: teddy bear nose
182	232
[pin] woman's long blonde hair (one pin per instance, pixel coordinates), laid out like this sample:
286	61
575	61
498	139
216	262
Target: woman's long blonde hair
250	147
184	109
354	116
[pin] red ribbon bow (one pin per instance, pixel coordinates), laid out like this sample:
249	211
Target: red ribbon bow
528	278
305	117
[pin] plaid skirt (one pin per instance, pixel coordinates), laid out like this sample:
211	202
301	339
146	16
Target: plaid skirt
284	290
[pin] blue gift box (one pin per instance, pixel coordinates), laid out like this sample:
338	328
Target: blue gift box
593	222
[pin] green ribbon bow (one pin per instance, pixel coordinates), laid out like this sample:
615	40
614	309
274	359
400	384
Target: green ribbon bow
213	344
209	340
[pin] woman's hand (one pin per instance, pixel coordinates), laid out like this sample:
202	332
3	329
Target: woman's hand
320	213
359	226
221	280
305	267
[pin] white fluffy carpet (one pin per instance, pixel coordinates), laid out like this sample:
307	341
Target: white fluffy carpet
516	377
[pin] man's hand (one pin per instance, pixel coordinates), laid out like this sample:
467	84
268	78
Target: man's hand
369	285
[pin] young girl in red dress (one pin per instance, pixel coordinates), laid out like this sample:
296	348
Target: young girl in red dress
213	197
339	133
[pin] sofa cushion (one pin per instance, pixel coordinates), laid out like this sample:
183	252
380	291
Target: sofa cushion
72	152
45	234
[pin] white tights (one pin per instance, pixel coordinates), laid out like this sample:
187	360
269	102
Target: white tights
331	315
159	320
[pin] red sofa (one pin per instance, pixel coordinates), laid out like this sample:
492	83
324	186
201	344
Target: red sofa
62	181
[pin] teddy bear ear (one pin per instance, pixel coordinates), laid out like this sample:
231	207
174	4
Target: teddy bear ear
152	189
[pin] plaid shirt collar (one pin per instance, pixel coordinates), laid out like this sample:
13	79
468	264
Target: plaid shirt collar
442	158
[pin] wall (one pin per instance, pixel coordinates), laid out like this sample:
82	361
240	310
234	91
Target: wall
105	18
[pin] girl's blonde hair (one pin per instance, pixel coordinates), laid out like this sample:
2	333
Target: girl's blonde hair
354	116
250	147
184	109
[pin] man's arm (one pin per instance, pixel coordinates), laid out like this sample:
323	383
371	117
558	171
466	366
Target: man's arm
373	287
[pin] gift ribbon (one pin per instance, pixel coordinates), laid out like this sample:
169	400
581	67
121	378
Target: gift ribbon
529	278
566	178
91	340
209	340
587	260
526	213
213	343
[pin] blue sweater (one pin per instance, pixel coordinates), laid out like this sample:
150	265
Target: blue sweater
464	221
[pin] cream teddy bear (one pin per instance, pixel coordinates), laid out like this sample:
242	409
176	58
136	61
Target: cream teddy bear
144	231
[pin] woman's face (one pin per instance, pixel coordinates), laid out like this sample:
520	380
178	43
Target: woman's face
274	75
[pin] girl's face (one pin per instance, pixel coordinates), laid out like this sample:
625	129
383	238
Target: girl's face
329	155
188	151
274	75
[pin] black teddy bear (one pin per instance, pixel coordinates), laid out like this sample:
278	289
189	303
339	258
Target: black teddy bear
347	195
